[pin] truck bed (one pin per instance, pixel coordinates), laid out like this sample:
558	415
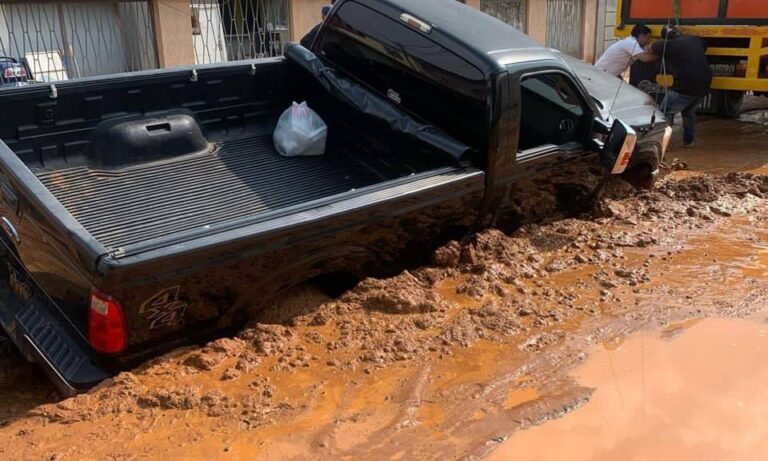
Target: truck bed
238	178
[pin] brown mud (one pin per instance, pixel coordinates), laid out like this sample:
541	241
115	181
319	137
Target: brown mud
446	361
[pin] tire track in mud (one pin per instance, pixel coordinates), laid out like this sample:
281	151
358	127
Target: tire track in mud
426	363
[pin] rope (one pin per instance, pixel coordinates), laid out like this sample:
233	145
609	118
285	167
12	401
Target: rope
676	9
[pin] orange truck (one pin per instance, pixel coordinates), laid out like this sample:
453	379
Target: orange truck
736	33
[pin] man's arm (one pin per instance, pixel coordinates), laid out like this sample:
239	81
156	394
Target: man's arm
647	56
652	53
657	48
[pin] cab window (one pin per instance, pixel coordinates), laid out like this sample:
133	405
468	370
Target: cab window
551	112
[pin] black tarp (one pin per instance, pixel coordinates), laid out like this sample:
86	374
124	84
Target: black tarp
373	105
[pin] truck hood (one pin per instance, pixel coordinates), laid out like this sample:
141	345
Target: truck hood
634	107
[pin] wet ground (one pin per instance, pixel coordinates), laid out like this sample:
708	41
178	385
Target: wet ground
729	145
694	390
639	327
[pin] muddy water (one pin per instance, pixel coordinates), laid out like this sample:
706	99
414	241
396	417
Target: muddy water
700	394
726	145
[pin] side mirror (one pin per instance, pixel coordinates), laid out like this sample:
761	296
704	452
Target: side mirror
617	150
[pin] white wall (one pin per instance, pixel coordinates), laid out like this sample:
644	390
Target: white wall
209	43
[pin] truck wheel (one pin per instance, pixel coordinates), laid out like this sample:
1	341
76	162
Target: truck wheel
728	102
643	170
640	176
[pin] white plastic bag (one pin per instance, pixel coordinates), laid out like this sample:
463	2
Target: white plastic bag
300	131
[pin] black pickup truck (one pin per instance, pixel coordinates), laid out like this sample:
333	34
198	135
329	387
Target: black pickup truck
143	211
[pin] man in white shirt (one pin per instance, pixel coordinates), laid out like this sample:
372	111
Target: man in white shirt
619	56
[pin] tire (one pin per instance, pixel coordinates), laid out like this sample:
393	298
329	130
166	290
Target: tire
728	102
643	170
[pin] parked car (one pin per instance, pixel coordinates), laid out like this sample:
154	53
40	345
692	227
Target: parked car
145	211
12	73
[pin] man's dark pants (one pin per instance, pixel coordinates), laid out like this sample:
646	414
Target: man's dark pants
686	105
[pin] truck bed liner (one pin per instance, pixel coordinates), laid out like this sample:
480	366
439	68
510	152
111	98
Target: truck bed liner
239	178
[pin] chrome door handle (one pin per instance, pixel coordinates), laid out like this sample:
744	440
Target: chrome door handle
10	229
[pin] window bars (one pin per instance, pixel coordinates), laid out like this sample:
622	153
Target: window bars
64	40
229	30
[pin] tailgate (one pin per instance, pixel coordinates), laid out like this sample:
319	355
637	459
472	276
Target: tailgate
41	332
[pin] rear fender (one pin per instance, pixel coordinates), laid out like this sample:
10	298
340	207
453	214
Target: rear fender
350	258
164	313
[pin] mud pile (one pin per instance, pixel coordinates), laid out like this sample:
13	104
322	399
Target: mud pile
490	286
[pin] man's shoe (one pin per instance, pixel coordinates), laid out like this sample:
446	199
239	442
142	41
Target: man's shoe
689	145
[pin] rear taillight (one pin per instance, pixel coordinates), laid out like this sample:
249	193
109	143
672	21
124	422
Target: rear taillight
106	324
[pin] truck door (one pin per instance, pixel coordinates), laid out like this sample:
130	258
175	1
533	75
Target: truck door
554	167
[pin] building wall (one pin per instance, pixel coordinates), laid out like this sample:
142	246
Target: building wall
173	32
305	14
62	40
536	23
512	12
188	32
537	20
606	23
589	30
172	23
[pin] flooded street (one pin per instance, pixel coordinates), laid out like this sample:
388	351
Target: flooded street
728	145
696	390
637	331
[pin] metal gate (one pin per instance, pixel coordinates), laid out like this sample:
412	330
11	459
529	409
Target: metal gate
565	20
510	11
229	30
59	41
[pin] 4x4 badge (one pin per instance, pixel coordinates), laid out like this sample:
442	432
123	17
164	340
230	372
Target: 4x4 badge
164	309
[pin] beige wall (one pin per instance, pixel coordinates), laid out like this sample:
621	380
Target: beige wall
589	31
536	19
305	14
473	3
173	32
536	16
